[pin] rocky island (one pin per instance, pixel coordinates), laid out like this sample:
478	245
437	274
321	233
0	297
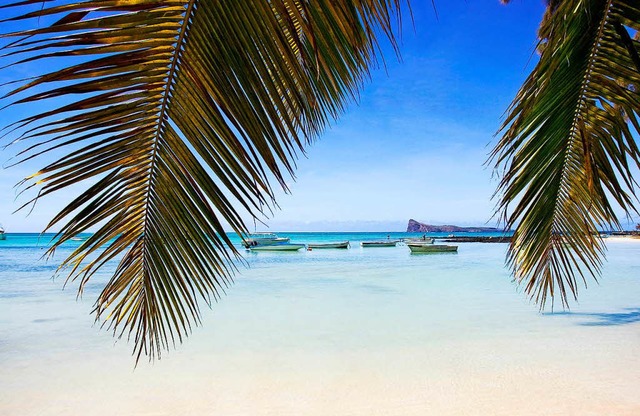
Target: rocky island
418	227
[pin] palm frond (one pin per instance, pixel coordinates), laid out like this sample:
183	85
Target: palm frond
179	112
568	142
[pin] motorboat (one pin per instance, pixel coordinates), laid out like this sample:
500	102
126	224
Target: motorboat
343	244
277	247
383	243
264	239
3	236
431	248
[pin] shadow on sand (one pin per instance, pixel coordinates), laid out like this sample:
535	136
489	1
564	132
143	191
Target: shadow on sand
629	316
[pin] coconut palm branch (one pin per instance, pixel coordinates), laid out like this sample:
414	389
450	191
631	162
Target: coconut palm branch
179	114
568	149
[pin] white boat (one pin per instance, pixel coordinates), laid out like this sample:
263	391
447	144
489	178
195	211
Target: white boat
344	244
431	248
2	234
383	243
423	240
277	247
264	239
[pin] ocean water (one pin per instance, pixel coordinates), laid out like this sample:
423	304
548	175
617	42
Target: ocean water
364	331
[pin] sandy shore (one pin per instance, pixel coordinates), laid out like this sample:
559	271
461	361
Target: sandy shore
623	238
487	378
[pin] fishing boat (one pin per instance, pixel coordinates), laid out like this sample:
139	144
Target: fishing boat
277	247
431	248
384	243
421	240
2	234
264	239
343	244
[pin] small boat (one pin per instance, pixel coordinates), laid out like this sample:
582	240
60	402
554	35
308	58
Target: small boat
264	239
344	244
431	248
384	243
2	234
421	240
277	247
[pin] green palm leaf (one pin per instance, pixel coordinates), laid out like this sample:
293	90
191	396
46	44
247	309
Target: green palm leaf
569	143
180	112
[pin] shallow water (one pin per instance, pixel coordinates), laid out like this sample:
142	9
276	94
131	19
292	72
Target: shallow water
364	331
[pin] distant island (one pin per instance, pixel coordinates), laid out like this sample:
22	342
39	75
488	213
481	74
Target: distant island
418	227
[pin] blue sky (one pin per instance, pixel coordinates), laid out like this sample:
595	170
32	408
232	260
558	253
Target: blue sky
415	144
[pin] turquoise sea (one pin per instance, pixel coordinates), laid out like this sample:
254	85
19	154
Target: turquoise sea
364	331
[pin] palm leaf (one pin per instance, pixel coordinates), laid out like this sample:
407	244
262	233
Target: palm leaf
568	143
180	113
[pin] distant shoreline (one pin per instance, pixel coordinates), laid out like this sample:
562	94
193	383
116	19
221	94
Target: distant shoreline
476	239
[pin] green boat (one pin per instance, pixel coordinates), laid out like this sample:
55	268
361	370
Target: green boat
431	248
344	244
421	240
384	243
278	247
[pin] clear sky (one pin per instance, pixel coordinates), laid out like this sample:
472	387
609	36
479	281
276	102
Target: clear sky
415	144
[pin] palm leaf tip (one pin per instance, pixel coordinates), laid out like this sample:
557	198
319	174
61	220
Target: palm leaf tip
568	146
180	113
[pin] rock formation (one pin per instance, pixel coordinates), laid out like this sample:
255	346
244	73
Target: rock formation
418	227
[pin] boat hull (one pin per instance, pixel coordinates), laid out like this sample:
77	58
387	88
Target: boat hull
426	240
344	244
378	243
278	247
432	248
